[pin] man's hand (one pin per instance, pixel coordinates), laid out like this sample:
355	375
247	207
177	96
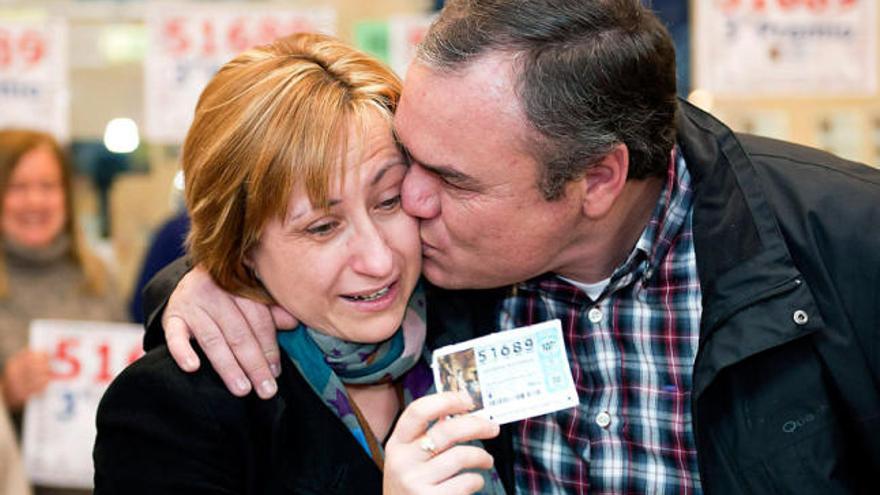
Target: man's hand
237	334
422	455
25	374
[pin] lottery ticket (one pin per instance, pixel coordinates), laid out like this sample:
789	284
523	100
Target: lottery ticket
510	375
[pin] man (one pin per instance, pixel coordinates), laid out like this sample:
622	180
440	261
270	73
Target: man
718	293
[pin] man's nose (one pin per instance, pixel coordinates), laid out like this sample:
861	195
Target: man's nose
419	193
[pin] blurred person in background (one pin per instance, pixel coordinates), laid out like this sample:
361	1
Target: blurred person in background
12	477
46	269
167	245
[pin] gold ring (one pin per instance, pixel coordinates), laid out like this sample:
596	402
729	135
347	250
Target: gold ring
428	445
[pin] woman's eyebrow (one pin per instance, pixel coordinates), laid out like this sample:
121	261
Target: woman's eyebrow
294	216
388	166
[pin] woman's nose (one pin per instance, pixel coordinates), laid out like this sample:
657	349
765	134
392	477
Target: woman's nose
32	195
419	193
372	254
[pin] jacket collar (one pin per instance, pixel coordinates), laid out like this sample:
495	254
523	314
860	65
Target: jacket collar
294	407
742	259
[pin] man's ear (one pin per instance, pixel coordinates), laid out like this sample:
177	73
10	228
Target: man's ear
604	181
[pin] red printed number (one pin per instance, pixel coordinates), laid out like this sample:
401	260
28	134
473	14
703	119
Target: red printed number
207	37
815	6
69	364
68	361
26	48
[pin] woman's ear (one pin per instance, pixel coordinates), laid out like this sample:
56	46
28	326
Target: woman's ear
604	181
248	262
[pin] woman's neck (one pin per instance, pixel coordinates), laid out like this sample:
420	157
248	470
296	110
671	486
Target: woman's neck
19	254
379	404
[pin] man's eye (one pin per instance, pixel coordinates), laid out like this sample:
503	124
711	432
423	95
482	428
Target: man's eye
390	203
322	229
451	183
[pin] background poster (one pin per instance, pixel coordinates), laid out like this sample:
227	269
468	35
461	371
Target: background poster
33	74
786	47
59	425
404	35
186	46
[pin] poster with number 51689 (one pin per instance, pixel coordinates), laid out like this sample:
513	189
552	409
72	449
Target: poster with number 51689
59	424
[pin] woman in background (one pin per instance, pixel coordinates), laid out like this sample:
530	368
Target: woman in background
46	270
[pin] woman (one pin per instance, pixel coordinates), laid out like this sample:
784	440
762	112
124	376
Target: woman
293	188
46	271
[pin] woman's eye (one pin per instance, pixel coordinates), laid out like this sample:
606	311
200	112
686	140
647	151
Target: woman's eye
322	229
390	203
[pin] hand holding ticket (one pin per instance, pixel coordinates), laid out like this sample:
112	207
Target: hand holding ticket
510	375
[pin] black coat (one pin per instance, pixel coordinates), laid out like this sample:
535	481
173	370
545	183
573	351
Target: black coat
163	431
787	376
786	392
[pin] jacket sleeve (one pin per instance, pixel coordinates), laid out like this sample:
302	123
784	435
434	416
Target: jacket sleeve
160	431
156	295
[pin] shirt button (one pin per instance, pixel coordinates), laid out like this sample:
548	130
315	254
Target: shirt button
595	315
603	419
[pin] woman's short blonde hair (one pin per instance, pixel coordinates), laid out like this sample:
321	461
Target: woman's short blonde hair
273	118
14	144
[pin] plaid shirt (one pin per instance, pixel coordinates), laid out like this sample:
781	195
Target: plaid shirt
632	353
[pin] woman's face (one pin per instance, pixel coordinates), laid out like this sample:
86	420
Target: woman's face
33	206
347	271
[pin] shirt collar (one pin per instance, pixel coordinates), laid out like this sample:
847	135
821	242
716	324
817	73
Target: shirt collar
667	219
669	215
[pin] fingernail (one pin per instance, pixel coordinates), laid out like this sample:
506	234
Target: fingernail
268	388
275	369
243	385
191	363
466	398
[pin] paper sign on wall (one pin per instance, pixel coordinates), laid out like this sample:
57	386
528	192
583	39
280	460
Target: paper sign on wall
33	75
59	424
786	47
404	35
187	45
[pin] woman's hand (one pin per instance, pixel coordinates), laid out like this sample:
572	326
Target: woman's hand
26	374
423	460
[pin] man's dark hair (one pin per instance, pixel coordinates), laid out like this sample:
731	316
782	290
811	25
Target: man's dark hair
591	74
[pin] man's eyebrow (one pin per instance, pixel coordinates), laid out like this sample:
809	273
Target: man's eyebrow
450	174
447	173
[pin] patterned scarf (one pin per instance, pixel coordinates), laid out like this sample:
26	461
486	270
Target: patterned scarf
327	363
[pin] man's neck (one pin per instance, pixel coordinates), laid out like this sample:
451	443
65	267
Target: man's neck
606	242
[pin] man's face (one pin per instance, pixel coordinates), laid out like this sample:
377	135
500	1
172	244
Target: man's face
472	182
